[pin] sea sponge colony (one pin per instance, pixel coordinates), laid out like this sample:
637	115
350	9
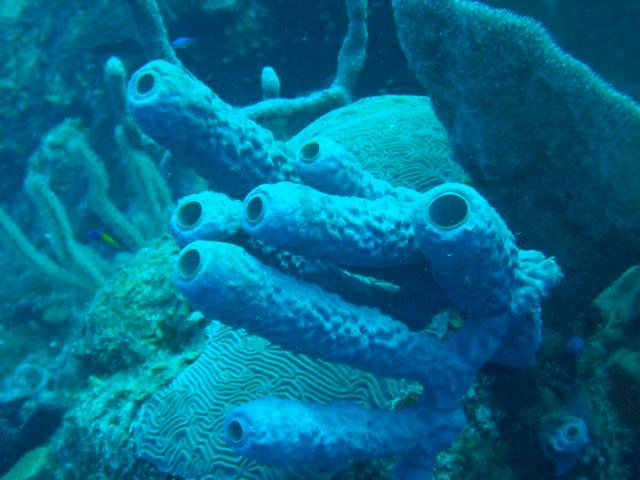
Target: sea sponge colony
318	272
450	229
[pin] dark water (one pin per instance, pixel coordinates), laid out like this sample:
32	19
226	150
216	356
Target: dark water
384	284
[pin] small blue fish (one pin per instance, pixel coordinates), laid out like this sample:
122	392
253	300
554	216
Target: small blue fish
104	237
576	345
182	43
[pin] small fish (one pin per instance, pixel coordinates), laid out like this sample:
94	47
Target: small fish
576	345
103	236
182	43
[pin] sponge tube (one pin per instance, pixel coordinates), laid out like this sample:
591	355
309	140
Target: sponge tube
328	166
344	230
471	250
224	282
218	141
275	431
205	216
476	262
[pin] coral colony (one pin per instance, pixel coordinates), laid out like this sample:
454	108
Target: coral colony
318	203
338	270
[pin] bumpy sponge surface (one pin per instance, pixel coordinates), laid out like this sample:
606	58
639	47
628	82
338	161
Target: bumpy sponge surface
219	142
276	431
344	230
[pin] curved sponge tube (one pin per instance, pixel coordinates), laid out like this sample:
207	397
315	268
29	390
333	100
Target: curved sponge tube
224	282
218	141
344	230
275	431
471	250
476	262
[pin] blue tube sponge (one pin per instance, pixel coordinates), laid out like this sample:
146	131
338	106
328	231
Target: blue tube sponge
344	230
219	142
275	431
328	166
205	216
564	442
225	282
471	250
474	255
476	262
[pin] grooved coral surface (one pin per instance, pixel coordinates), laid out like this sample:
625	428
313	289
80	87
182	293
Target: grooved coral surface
397	138
179	429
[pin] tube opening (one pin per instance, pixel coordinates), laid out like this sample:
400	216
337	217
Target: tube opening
254	209
309	151
189	214
448	210
145	83
189	263
234	431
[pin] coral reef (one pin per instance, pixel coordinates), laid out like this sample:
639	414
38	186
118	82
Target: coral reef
615	343
395	295
212	124
93	441
472	254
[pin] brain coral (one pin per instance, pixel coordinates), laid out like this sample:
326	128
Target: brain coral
179	429
397	138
